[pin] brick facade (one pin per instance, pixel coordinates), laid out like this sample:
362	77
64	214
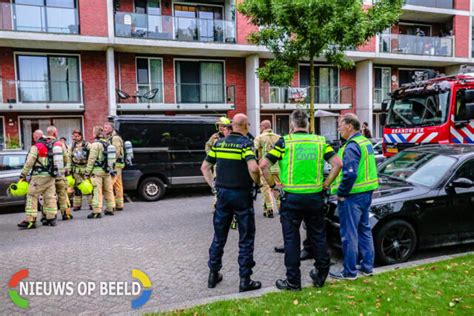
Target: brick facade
461	33
93	17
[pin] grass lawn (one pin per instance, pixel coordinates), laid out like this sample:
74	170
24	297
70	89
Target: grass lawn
441	288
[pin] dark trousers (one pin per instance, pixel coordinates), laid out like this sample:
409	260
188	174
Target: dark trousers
240	203
295	209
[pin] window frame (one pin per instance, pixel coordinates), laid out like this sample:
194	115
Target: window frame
162	84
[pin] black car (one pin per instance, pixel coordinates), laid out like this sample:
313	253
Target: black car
425	199
168	152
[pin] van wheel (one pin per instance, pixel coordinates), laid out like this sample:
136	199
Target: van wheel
395	242
151	189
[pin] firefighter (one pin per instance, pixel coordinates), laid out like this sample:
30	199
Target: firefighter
237	170
60	179
301	158
78	152
115	139
263	143
99	167
221	124
40	162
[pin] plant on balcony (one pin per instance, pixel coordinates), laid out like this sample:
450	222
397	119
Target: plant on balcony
12	142
308	29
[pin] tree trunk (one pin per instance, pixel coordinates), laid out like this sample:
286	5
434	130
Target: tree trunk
311	95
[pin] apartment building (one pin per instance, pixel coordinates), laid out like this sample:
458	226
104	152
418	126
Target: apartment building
73	63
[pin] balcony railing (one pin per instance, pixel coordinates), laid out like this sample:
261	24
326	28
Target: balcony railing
322	95
416	45
441	4
174	28
33	18
41	92
180	93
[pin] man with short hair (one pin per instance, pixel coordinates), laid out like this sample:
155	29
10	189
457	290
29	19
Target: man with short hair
79	153
237	169
354	188
301	158
115	139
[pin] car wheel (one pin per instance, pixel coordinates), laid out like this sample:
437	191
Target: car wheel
151	189
395	242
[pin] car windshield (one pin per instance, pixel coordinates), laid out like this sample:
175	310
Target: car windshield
419	110
417	167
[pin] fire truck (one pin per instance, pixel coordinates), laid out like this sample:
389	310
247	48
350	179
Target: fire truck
432	110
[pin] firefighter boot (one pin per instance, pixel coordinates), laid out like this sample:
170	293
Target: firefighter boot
27	224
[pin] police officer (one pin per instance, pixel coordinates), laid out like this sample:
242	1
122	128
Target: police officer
40	163
115	139
237	169
354	188
79	153
263	143
300	157
97	167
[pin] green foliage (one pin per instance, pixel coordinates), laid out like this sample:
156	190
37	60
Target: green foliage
12	143
307	29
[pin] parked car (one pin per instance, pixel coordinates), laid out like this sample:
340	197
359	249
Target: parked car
11	163
425	199
168	152
379	157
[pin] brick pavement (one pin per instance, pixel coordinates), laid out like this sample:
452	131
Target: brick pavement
168	240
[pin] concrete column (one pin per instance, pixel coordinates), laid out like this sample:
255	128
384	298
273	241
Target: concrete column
111	81
364	91
253	93
110	19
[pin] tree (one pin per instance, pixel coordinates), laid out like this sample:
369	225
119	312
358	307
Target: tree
295	30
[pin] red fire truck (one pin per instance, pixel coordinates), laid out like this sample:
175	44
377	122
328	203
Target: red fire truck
438	110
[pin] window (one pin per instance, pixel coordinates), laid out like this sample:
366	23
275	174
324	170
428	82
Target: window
148	7
2	136
200	82
199	23
64	125
472	37
327	83
407	75
461	108
12	161
382	84
466	171
48	79
149	80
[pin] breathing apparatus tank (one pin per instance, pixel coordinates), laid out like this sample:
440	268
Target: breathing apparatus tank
128	152
111	157
58	159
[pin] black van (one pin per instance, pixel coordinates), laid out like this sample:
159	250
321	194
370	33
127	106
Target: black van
168	151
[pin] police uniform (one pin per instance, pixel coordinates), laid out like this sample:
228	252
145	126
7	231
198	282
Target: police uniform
100	178
263	143
301	159
38	162
79	153
61	186
117	141
355	183
234	196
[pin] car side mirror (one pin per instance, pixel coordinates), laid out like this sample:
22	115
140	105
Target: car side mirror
385	104
462	183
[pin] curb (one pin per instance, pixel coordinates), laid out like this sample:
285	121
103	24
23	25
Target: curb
257	293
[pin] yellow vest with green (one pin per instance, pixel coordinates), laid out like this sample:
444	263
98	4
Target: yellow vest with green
302	163
367	179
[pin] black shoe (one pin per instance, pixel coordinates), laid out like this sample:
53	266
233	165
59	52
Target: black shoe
109	213
27	224
50	222
94	215
246	284
119	208
319	276
43	220
91	208
280	249
67	217
305	255
75	209
270	214
285	285
214	278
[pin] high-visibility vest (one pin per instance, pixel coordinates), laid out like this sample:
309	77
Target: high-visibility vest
367	179
302	163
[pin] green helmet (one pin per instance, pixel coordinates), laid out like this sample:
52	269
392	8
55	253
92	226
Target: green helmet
85	187
19	189
70	181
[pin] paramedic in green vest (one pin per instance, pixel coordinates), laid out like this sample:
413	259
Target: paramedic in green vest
301	159
354	188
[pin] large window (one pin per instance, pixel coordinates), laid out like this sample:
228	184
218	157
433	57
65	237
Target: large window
64	125
382	84
327	83
56	16
149	80
199	23
200	82
48	79
472	37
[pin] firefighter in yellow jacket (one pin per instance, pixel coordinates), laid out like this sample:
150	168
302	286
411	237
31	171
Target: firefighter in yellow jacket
99	168
40	163
263	144
115	139
79	153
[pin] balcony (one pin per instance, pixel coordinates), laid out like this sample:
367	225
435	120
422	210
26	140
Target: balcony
336	98
416	45
440	4
178	96
37	95
34	18
167	27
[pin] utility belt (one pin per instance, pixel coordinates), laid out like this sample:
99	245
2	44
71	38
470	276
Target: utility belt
40	169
